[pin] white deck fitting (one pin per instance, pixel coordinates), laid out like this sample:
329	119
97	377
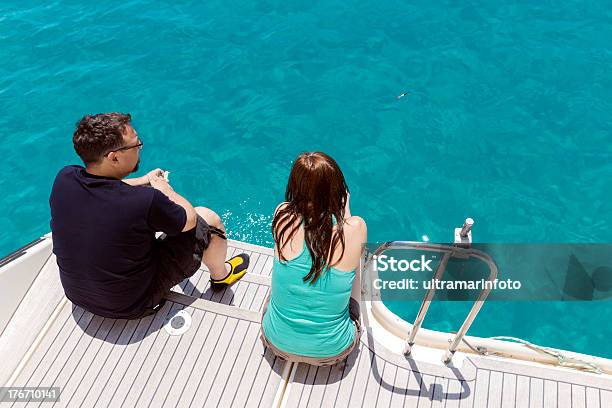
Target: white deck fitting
111	363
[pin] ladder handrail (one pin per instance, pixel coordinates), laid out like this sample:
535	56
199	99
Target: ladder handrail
449	252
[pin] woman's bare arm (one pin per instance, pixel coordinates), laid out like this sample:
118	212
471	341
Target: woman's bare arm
361	235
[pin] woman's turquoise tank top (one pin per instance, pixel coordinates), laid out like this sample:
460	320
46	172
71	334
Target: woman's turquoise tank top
309	320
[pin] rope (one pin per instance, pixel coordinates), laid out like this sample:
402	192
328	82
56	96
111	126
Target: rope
564	361
479	349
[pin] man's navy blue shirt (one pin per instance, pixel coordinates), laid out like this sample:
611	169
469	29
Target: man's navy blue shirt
103	237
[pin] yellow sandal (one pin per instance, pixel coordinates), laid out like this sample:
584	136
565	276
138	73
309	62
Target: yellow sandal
238	267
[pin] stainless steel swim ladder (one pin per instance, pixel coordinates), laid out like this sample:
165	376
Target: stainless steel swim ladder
460	249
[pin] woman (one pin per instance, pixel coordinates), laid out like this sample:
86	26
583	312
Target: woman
314	278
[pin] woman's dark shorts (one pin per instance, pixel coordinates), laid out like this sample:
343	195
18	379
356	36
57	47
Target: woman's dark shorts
177	258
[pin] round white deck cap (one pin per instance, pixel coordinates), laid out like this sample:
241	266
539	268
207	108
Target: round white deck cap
178	323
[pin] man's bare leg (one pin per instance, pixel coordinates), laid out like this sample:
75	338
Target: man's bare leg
215	254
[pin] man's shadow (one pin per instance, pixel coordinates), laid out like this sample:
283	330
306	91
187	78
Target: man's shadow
131	331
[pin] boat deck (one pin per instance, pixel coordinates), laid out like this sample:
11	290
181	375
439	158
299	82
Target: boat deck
220	361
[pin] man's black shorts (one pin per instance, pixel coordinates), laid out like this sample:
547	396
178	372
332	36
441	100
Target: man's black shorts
178	258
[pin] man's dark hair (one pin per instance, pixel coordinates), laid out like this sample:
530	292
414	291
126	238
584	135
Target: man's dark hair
96	135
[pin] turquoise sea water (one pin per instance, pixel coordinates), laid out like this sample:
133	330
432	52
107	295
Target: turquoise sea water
507	119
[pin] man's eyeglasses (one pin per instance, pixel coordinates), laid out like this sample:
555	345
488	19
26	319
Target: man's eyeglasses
139	146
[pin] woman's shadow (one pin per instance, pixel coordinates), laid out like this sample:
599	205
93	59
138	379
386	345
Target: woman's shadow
312	375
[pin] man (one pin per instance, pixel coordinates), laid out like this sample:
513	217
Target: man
104	226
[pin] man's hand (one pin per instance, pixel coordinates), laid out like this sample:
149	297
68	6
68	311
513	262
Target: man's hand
158	182
144	180
152	174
